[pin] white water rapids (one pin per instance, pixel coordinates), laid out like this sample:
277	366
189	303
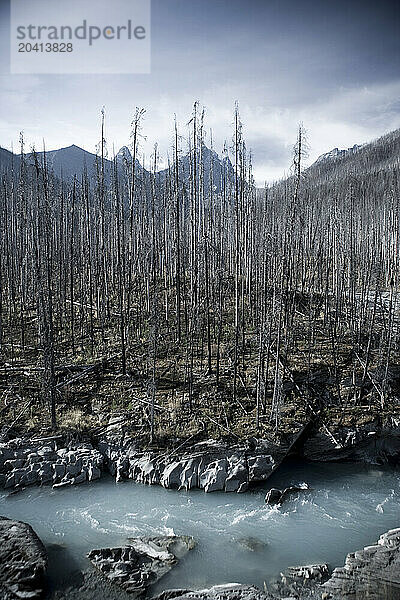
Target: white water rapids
239	538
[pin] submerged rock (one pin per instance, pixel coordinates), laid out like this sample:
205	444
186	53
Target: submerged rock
251	544
23	561
142	562
372	573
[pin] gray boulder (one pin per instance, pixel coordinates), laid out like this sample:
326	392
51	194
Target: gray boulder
140	564
275	496
6	453
372	573
190	473
227	591
260	467
23	561
213	477
144	468
237	479
172	475
318	572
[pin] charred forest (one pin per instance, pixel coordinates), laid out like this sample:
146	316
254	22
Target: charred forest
194	302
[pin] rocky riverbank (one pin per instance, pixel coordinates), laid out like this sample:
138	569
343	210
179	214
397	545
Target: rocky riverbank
23	561
210	465
25	462
130	571
222	466
233	467
372	573
142	562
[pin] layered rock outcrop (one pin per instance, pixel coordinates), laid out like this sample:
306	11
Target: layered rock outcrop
372	573
228	591
371	443
23	561
26	462
208	466
137	566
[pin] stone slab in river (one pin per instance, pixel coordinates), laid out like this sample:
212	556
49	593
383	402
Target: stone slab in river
142	562
227	591
23	561
275	496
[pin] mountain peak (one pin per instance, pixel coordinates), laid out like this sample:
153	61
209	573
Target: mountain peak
337	153
124	154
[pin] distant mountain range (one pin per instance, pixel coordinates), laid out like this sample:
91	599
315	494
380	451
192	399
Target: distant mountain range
66	163
336	153
71	161
369	171
382	154
7	160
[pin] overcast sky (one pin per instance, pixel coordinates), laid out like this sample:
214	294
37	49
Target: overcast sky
332	65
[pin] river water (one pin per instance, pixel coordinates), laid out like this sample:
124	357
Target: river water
239	538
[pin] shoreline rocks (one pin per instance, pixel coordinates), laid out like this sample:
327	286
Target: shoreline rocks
208	465
226	591
215	466
93	586
302	583
25	462
372	573
23	561
137	566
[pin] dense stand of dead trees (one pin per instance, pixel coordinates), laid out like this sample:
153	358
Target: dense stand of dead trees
239	286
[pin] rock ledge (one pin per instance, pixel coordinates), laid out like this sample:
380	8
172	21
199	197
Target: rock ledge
144	561
23	561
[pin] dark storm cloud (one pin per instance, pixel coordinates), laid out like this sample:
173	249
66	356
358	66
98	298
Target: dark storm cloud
333	65
311	46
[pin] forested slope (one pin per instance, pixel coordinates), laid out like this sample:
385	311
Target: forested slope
201	309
